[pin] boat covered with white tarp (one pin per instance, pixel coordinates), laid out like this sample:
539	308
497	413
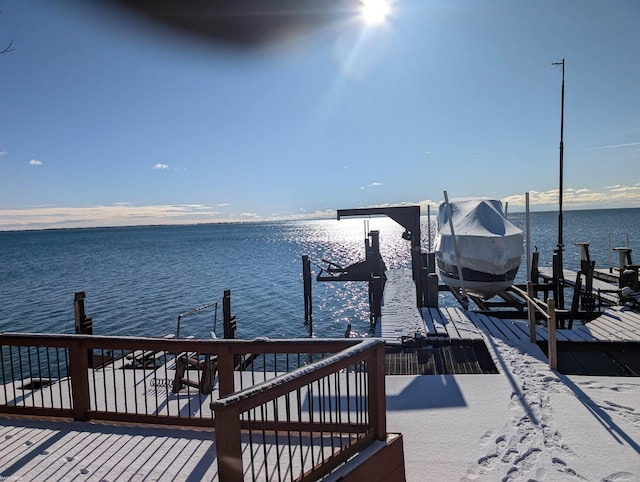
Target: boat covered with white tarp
489	247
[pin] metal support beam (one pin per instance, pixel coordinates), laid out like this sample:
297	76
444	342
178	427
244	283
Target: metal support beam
409	218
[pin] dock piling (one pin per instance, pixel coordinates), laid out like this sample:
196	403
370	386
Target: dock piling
229	323
306	280
83	324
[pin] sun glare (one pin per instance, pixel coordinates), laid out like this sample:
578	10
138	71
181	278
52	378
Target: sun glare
375	11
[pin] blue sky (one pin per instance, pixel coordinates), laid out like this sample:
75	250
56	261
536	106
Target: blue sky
108	121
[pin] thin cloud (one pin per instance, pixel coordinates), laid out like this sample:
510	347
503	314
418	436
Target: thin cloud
222	205
2	153
614	146
373	184
161	166
35	162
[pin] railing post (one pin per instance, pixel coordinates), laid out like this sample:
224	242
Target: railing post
226	365
531	312
228	444
551	325
377	396
79	374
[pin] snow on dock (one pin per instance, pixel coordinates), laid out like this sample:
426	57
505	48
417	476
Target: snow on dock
524	421
400	316
456	338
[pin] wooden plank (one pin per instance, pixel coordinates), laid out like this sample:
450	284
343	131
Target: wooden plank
630	319
438	322
612	323
600	332
576	334
624	329
561	335
505	327
466	328
449	325
426	316
523	330
483	323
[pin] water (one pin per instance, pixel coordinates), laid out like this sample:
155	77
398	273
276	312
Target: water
139	279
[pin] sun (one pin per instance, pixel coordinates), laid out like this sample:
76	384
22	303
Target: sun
375	11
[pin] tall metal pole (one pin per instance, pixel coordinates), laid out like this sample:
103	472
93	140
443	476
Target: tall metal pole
560	242
559	275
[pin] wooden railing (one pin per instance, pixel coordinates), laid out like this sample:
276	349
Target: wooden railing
311	403
549	312
343	413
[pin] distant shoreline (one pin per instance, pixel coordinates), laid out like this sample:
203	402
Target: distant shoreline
266	221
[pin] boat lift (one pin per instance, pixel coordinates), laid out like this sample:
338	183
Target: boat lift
372	268
409	218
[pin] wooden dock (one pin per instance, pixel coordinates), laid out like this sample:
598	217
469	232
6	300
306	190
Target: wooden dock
608	345
605	291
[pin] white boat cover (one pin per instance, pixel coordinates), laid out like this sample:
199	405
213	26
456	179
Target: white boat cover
490	247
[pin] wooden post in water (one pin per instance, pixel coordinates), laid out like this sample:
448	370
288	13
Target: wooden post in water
551	326
83	324
531	312
306	281
229	322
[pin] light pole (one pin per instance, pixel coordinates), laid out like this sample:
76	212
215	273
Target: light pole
560	272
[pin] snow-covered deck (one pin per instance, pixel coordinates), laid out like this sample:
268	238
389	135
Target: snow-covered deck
526	423
275	425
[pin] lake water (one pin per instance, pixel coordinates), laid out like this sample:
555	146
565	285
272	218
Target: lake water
139	279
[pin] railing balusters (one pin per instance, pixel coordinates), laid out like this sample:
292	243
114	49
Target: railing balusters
287	407
4	377
300	445
13	382
276	431
321	415
104	380
39	369
21	374
68	380
114	378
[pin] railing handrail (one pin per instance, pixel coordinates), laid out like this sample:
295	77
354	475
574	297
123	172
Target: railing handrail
203	345
539	305
255	395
